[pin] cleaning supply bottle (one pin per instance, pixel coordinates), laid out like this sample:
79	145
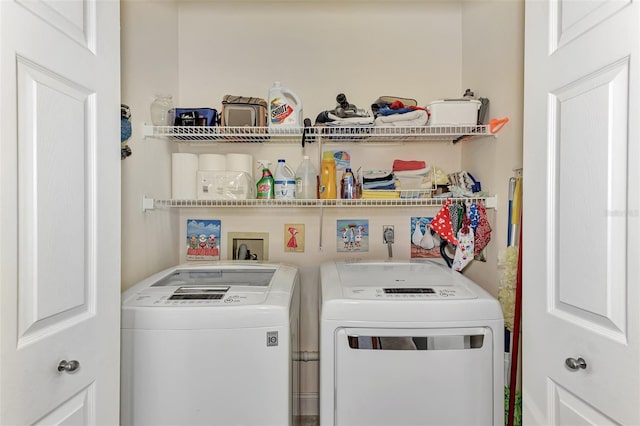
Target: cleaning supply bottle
348	185
285	181
285	107
328	188
306	180
265	186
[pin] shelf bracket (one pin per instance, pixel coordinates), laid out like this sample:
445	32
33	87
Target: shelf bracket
491	202
147	203
147	131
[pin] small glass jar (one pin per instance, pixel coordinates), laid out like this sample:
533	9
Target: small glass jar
162	110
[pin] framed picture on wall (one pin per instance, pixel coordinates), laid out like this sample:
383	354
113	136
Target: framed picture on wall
352	235
203	239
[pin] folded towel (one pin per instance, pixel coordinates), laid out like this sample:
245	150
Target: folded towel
389	111
376	174
414	182
400	165
380	195
384	178
381	179
387	185
415	118
417	172
349	121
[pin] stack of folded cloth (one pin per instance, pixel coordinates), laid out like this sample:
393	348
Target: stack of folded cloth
373	194
379	184
399	115
351	118
364	121
412	175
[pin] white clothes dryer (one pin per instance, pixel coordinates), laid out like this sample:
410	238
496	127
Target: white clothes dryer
211	344
408	343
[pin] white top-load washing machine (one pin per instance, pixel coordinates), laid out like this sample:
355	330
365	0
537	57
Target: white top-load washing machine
405	343
211	344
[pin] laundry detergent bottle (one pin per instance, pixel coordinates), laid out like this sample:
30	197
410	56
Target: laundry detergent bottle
285	181
328	187
285	108
265	188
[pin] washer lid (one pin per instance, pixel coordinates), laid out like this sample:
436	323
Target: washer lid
223	277
204	286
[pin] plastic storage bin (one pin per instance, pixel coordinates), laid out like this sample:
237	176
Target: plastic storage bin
453	112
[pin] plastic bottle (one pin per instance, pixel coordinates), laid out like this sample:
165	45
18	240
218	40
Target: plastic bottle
348	185
265	186
285	181
161	110
328	189
306	180
285	107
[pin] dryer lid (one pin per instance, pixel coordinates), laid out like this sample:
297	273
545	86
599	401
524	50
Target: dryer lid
395	274
401	281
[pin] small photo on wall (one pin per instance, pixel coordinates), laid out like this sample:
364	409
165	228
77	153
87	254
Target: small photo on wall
203	239
294	237
424	243
352	235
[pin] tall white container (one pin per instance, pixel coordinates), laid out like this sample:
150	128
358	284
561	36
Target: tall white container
306	180
285	107
285	181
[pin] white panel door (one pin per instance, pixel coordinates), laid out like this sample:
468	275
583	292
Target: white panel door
581	263
60	212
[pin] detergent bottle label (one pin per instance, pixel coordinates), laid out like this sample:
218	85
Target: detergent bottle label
279	111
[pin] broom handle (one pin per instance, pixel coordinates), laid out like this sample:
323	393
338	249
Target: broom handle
516	335
512	188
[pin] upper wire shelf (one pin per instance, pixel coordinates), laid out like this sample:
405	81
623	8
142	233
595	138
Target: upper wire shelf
208	134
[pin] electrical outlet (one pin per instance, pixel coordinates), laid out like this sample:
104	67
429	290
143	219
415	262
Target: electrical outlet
384	233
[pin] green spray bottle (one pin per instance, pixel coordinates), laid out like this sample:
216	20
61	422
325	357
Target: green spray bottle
266	184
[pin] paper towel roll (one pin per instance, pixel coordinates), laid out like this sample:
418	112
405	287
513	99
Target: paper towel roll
184	169
240	163
212	162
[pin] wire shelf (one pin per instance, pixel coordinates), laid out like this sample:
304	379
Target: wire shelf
150	204
194	134
208	134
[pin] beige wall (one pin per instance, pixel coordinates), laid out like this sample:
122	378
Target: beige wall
149	54
427	50
492	64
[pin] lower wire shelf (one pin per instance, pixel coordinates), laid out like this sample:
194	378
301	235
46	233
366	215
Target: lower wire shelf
151	203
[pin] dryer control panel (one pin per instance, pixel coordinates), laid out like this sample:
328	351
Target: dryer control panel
408	293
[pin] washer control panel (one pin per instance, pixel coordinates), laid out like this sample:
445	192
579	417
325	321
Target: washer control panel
201	296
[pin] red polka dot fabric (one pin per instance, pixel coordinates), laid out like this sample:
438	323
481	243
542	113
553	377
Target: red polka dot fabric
442	225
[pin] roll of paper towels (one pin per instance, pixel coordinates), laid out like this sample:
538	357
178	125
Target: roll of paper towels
184	169
240	163
212	162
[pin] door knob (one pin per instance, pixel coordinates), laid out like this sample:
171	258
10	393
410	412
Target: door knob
68	366
575	364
